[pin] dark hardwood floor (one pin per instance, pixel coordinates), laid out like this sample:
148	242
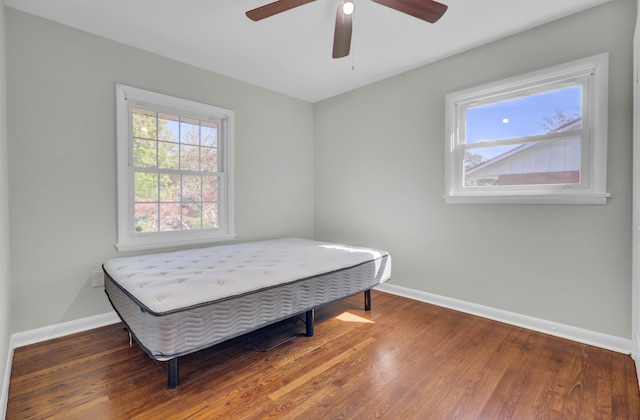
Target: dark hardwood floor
403	360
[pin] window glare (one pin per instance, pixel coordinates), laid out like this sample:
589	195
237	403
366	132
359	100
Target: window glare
524	116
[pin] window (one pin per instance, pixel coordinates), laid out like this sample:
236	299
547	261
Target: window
536	138
175	178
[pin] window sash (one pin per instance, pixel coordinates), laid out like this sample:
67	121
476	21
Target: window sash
220	182
478	100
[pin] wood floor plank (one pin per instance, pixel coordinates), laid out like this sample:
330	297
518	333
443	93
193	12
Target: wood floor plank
548	367
474	387
604	394
632	408
404	359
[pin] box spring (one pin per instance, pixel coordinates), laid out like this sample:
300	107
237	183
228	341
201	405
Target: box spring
181	332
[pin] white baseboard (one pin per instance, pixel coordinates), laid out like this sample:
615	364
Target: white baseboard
60	330
635	354
609	342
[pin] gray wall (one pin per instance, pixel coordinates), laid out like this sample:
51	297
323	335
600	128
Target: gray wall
62	159
5	329
379	154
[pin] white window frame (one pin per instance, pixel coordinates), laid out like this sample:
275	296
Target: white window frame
592	73
128	97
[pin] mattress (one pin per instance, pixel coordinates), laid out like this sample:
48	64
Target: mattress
179	302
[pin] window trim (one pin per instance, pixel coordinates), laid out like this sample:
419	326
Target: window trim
128	97
592	190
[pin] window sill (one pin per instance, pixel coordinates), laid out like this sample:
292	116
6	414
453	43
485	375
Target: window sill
528	199
146	243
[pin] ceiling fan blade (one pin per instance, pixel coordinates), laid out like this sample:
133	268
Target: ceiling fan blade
274	8
428	10
342	34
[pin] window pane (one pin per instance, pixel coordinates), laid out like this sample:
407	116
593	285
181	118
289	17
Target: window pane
210	216
538	163
168	155
144	153
146	187
191	216
170	188
208	159
170	217
169	127
146	217
209	134
556	110
144	123
190	189
189	158
209	189
189	131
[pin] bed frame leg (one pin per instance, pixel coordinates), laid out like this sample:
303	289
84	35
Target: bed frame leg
367	300
172	371
309	321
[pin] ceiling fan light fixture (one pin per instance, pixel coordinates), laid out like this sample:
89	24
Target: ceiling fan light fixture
348	7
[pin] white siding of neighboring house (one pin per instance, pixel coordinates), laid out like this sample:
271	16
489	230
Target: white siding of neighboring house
548	157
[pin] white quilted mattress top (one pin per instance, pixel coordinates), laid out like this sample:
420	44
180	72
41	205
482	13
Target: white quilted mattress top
174	280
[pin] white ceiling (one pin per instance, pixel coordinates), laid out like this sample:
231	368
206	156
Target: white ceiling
291	52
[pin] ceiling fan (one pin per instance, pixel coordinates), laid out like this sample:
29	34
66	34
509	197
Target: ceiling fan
427	10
